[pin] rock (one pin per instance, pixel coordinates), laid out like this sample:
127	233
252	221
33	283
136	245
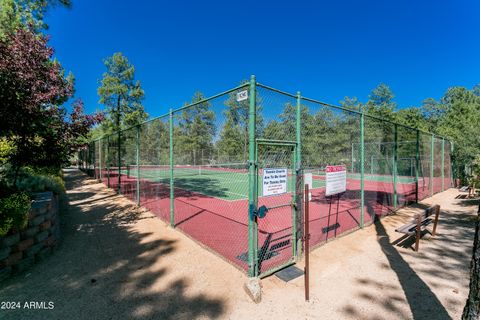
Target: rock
253	289
11	240
39	237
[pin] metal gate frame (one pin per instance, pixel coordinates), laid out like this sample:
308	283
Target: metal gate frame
294	204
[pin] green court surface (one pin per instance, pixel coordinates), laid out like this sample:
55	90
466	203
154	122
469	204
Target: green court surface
381	178
232	185
387	178
219	184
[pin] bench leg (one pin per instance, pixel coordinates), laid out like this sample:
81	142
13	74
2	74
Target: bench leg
437	213
418	233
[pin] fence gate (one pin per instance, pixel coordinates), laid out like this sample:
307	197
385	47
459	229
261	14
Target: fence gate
276	200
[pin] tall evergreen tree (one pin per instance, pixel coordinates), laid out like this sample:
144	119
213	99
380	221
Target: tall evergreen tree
459	123
15	14
381	103
234	133
195	131
121	94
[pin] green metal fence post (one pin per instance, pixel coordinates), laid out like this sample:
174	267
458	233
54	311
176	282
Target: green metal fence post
92	158
352	165
107	160
371	165
443	164
395	159
417	164
100	145
432	152
297	236
252	260
119	161
172	194
453	174
362	169
137	159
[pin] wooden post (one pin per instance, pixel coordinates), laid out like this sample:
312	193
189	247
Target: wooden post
418	231
437	213
307	244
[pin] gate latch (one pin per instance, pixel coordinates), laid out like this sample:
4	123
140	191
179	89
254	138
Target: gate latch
261	212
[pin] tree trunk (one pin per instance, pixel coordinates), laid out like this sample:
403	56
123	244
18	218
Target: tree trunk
15	177
472	307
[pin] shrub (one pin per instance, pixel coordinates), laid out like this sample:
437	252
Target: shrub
33	180
14	212
41	183
6	149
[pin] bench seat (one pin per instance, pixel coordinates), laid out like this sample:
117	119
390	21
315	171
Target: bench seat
420	223
411	228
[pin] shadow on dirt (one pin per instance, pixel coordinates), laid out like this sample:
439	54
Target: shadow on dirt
101	270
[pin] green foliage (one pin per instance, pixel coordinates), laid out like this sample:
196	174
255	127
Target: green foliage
476	89
41	183
352	104
121	94
412	117
381	103
31	180
195	131
233	143
15	14
14	212
459	123
7	148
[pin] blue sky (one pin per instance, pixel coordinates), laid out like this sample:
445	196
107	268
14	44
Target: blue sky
325	49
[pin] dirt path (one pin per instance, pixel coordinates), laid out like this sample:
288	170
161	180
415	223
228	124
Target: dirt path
119	262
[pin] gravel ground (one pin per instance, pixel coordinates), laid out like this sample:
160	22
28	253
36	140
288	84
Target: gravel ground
119	262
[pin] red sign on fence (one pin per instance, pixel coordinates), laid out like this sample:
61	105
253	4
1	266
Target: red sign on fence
335	168
335	180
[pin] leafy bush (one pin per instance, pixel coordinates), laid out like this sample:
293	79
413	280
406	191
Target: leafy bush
39	183
6	149
33	180
14	212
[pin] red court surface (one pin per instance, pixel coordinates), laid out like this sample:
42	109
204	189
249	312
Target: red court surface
222	225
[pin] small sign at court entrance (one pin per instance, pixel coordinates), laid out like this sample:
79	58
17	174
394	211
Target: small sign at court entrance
308	180
274	181
335	180
242	95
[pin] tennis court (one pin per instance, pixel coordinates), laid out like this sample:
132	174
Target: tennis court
230	181
211	206
200	168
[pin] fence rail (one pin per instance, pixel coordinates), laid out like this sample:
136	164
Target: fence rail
201	168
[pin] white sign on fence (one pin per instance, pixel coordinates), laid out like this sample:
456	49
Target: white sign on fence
308	180
274	181
335	180
242	95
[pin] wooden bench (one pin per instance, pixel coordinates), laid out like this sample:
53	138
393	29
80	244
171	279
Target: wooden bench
420	223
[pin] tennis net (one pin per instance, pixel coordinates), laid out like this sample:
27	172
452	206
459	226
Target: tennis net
185	170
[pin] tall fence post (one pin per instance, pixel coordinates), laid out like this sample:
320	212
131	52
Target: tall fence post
297	236
417	164
362	169
453	174
107	160
137	159
443	164
94	160
252	260
119	161
432	165
352	166
100	146
395	159
172	193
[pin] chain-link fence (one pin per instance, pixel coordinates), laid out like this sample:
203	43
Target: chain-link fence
229	171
